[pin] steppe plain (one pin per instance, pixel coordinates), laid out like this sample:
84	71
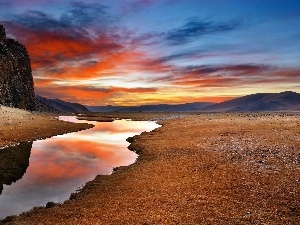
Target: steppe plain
18	125
205	168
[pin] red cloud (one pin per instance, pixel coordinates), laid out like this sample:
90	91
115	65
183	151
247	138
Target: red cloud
60	55
56	48
47	48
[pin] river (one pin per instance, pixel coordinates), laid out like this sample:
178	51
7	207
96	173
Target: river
49	170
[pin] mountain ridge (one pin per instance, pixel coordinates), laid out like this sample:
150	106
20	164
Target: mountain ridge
258	102
185	107
283	101
60	106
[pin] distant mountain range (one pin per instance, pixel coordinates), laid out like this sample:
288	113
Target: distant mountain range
262	102
187	107
57	105
284	101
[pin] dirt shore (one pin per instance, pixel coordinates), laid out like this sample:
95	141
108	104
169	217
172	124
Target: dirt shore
17	126
195	169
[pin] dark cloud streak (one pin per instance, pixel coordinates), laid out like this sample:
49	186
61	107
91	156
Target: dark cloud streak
195	28
82	14
189	32
179	56
137	5
4	3
199	72
39	21
75	21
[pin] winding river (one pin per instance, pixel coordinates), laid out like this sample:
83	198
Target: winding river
49	170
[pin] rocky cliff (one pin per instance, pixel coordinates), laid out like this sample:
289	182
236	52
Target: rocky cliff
16	82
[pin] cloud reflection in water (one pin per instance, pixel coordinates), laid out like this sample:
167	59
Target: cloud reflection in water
61	164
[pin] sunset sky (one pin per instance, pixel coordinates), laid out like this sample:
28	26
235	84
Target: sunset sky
135	52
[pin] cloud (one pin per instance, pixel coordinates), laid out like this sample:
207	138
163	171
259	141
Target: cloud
39	21
134	90
63	55
86	42
232	76
26	3
78	20
194	28
182	74
51	49
189	32
83	14
85	94
59	48
80	94
71	47
4	3
58	45
147	39
137	5
179	56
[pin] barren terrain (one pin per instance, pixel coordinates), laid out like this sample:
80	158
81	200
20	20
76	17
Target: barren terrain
195	169
18	125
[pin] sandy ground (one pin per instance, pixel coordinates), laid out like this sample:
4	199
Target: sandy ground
197	169
17	125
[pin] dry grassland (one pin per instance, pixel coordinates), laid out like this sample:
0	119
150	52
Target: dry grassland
18	125
198	169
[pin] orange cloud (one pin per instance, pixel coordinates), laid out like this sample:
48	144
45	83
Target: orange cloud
107	64
86	95
62	45
63	55
73	94
42	82
122	62
60	56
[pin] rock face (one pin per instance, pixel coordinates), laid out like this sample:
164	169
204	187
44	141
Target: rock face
16	82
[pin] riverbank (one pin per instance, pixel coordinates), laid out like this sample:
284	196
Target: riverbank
196	169
18	125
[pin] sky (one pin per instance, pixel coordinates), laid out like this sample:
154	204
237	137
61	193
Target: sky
137	52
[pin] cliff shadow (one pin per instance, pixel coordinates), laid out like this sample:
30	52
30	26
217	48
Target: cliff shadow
13	163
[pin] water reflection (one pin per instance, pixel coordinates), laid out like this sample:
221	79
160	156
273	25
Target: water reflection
13	163
59	165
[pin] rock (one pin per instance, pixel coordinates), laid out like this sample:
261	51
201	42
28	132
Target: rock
50	205
16	81
130	139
